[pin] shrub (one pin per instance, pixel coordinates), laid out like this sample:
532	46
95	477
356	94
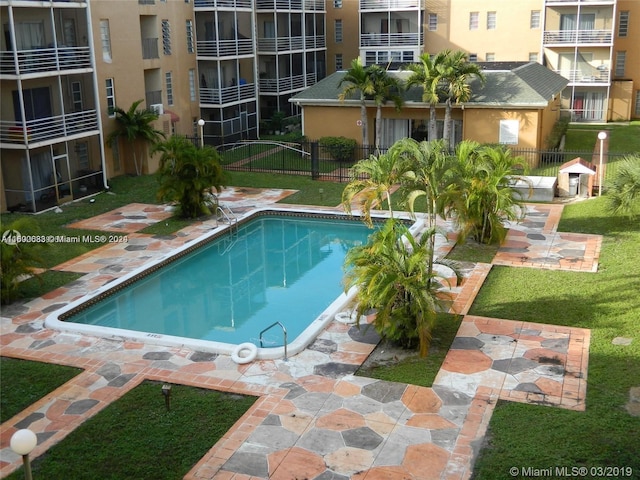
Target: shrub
557	132
340	148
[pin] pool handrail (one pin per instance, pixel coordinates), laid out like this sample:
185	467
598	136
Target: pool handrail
284	332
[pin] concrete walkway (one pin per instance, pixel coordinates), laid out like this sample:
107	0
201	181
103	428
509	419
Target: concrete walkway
313	418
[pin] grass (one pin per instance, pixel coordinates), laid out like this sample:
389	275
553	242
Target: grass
136	437
413	369
605	302
23	382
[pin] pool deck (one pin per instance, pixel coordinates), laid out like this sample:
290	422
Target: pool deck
313	418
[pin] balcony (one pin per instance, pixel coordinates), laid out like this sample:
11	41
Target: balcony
225	48
390	5
598	76
45	60
221	96
150	48
577	37
580	2
47	129
390	39
280	44
232	4
286	84
315	41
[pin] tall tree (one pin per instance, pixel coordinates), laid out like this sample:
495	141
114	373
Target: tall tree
385	87
358	79
481	196
454	73
623	193
425	74
135	126
187	174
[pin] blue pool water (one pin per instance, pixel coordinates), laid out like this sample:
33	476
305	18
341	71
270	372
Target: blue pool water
275	268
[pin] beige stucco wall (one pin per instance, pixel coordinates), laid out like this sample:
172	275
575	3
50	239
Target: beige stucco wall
349	47
128	69
621	101
628	44
334	121
483	125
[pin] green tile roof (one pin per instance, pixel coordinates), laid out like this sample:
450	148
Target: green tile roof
515	85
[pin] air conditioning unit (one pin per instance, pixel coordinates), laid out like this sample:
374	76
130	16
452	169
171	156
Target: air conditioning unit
157	108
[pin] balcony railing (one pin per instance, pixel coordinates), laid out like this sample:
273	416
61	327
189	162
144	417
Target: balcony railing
591	2
390	39
280	44
150	48
45	60
391	4
49	128
225	48
222	4
580	76
578	37
315	41
220	96
286	84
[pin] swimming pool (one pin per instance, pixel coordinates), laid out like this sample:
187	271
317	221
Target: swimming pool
277	266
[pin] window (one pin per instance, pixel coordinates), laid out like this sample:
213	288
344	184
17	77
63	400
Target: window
490	57
623	23
474	20
338	31
338	61
533	56
82	153
76	96
192	85
105	39
169	86
491	20
509	132
534	22
111	97
637	114
432	22
337	3
190	45
166	37
621	60
473	57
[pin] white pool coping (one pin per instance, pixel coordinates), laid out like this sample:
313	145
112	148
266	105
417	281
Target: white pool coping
305	338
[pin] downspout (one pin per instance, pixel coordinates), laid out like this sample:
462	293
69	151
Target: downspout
96	99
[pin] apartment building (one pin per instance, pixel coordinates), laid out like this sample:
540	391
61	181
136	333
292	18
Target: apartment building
50	129
589	42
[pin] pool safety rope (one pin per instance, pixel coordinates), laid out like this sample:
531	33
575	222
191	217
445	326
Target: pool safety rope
244	353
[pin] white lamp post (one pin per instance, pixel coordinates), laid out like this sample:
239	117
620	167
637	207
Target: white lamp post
601	137
201	129
23	442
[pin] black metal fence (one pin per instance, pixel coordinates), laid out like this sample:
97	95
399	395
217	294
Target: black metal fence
308	158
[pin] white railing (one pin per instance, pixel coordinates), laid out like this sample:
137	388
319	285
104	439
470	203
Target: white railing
223	4
391	4
225	48
220	96
591	2
45	60
577	36
286	84
280	44
42	129
580	76
315	41
390	39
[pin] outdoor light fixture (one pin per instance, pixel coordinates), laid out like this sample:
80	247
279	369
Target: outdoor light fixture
201	123
166	391
23	442
601	137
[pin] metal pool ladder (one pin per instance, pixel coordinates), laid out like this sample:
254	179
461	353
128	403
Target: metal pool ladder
227	213
284	333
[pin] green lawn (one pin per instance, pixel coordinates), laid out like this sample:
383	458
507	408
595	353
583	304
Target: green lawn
135	437
23	382
606	302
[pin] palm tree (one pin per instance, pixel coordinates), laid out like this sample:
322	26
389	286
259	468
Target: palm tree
624	191
481	197
134	125
454	72
391	275
187	174
373	179
358	79
426	75
385	87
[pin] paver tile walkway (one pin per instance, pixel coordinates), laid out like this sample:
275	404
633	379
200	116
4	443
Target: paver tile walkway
313	418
